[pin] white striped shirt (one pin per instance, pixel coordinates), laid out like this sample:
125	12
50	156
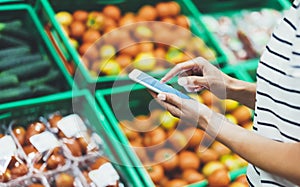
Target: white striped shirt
277	110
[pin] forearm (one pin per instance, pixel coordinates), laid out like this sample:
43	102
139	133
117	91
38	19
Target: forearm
241	91
278	158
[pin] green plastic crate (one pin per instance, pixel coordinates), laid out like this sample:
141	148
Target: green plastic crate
27	14
223	6
135	98
81	103
230	8
245	71
84	78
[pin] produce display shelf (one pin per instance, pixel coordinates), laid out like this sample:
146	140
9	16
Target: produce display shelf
233	9
246	71
47	10
40	45
135	99
81	103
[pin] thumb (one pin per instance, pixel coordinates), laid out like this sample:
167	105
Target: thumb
193	81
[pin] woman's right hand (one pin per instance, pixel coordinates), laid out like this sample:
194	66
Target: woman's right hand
198	73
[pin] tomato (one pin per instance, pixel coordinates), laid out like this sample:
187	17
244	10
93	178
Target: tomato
207	155
156	172
176	183
219	177
177	139
242	179
155	137
80	15
95	20
194	136
168	159
192	176
188	160
140	151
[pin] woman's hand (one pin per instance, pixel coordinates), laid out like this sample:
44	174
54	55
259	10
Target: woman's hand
188	110
197	74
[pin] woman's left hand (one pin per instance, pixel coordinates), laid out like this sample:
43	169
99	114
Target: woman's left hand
186	109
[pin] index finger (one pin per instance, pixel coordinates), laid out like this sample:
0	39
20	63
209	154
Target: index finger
179	68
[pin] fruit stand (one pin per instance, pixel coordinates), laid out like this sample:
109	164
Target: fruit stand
70	115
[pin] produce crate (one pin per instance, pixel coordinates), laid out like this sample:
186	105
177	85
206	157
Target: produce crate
83	77
126	102
81	103
39	45
246	71
232	25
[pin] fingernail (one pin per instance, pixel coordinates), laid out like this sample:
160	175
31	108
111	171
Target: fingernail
161	97
198	89
182	81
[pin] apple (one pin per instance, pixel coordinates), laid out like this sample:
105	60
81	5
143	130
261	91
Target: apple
64	18
211	167
230	162
143	33
208	54
174	55
231	118
107	51
74	43
242	162
197	97
167	120
144	61
230	104
110	67
237	184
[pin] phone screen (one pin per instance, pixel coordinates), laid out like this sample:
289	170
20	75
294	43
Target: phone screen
160	86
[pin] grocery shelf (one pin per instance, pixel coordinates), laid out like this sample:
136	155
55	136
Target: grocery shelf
81	103
40	45
83	77
126	102
235	33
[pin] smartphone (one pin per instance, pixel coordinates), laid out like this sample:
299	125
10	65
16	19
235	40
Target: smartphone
154	84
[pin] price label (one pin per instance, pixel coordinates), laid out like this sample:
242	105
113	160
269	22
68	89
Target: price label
44	141
7	146
71	125
8	149
104	176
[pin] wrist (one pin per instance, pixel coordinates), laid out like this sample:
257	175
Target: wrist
235	87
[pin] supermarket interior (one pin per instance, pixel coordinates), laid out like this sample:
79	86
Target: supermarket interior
86	123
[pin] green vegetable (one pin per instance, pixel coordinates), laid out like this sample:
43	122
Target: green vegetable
9	41
8	81
44	89
11	61
14	29
29	70
14	51
11	94
51	76
12	25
